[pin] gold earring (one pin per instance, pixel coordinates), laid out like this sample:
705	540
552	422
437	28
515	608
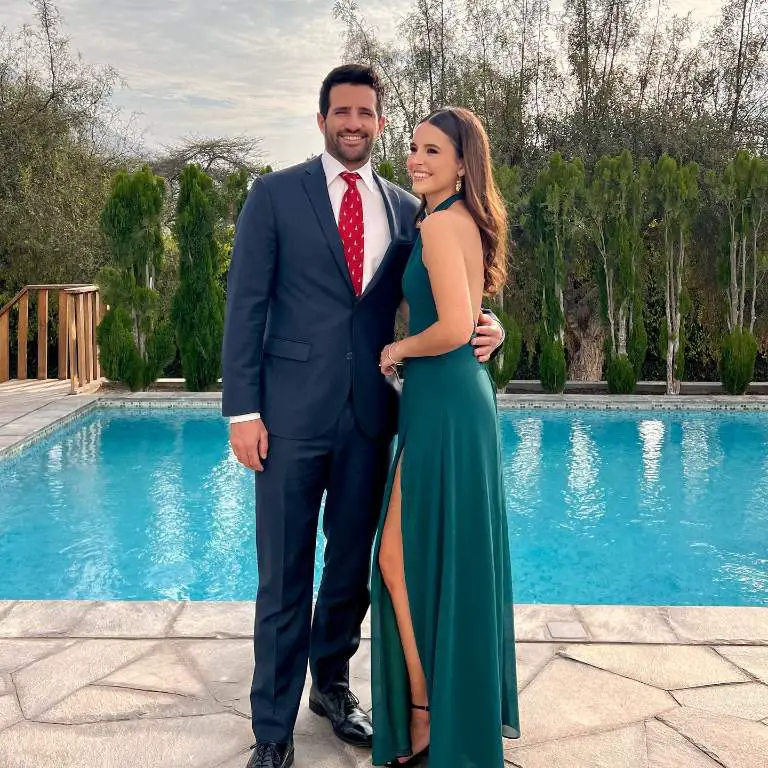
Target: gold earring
458	184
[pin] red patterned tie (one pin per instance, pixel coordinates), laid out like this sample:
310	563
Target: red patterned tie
351	229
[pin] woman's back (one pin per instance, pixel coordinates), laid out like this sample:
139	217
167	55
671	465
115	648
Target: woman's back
448	374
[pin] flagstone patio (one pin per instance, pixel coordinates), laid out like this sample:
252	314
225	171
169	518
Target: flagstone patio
97	685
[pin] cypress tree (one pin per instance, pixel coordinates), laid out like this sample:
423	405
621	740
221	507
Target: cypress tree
135	342
676	196
198	306
551	220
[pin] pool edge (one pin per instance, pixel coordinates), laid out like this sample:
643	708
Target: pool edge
56	420
63	412
535	623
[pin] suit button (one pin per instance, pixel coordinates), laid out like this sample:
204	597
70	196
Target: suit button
349	355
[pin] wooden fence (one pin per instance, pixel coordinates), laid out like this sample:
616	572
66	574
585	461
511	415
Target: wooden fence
79	312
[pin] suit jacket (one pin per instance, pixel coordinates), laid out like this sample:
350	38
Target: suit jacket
297	341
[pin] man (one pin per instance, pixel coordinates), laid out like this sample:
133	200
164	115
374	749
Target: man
313	290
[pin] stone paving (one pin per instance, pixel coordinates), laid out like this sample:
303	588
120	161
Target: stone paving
31	409
165	684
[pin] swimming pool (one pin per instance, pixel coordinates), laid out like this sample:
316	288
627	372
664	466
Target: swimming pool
619	507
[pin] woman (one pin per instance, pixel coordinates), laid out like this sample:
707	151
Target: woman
443	664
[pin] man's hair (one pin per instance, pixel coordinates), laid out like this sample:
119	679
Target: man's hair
350	74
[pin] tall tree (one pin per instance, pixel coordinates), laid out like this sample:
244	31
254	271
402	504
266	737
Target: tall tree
615	213
737	61
60	142
198	306
744	194
743	191
552	219
552	216
676	195
136	341
219	157
599	36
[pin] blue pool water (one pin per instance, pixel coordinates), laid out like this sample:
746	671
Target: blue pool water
604	507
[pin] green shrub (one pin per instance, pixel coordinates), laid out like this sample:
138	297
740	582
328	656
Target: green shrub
621	376
119	357
117	351
504	365
737	361
552	368
386	170
161	349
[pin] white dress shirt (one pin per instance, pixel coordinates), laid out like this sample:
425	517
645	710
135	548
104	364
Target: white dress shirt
376	234
375	224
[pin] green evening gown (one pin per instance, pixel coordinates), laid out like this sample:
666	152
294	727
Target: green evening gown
456	557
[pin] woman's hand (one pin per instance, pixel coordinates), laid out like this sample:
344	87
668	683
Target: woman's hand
389	358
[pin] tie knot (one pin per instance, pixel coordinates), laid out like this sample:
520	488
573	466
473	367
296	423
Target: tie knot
350	177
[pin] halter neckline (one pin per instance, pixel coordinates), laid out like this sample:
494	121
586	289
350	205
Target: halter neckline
447	202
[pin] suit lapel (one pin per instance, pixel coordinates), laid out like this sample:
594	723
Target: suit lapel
392	205
316	187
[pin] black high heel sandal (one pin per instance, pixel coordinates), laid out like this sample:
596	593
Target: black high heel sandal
419	756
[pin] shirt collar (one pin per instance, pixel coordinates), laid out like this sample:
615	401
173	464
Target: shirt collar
333	168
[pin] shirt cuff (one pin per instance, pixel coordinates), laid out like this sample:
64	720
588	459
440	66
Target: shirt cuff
244	417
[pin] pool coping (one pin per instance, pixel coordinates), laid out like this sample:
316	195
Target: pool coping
29	428
534	623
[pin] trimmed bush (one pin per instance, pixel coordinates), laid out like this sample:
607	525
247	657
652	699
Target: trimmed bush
552	368
160	351
621	376
119	357
737	361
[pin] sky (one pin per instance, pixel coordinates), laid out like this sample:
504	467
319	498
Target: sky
225	67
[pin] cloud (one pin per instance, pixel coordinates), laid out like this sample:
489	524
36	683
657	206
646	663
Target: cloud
231	67
223	68
238	67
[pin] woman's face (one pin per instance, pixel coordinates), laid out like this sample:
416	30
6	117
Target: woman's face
433	164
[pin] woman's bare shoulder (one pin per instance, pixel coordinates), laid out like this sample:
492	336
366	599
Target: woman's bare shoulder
453	221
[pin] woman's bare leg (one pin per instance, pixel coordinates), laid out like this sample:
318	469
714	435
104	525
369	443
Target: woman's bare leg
393	573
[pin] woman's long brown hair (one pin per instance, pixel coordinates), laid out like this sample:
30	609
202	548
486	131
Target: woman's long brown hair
479	190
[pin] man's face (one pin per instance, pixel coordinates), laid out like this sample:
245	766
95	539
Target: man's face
352	124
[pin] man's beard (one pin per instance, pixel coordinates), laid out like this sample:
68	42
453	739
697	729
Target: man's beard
358	154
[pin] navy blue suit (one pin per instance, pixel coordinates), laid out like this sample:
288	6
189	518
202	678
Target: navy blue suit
301	349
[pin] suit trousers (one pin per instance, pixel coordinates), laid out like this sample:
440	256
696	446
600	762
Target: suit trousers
351	469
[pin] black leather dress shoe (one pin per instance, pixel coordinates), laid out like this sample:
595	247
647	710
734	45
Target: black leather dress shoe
342	708
268	754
